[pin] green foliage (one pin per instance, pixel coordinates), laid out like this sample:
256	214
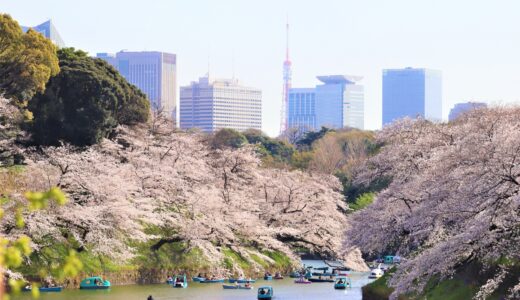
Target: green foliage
311	136
233	258
13	253
272	151
353	190
227	137
362	201
282	261
85	101
301	159
27	61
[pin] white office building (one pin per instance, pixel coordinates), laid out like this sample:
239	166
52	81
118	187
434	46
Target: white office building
211	104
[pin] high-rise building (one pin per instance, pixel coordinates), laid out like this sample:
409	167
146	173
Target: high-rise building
211	104
461	108
155	73
48	30
337	103
411	93
301	112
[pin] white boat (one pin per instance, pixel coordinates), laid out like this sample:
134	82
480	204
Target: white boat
376	273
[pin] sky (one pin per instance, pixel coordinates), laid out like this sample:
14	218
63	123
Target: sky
475	43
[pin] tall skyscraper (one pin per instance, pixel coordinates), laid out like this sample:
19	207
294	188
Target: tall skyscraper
155	73
411	93
48	30
337	103
212	104
461	108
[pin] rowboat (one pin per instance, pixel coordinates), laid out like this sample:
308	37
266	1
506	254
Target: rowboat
302	280
94	283
197	279
51	289
236	287
241	280
212	280
321	280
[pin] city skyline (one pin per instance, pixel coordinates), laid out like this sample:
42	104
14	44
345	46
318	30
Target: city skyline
478	58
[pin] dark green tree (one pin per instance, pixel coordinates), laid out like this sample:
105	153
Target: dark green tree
227	137
85	101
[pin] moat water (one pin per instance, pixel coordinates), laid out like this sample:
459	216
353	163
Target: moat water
284	289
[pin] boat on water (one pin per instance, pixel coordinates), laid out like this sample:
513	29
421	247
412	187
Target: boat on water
278	276
324	272
197	279
241	280
342	282
54	289
217	280
314	279
302	280
265	293
237	287
268	276
376	273
295	275
180	281
94	283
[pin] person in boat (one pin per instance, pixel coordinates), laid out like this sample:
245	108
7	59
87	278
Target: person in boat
319	277
149	298
340	281
200	275
263	292
247	285
169	278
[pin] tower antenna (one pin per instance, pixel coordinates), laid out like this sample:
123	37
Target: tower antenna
287	75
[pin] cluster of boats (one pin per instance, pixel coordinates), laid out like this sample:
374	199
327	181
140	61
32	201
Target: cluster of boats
90	283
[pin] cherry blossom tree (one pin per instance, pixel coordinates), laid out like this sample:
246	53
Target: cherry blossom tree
453	198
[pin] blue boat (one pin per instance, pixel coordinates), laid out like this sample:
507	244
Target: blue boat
44	289
268	277
236	287
213	280
265	292
51	289
342	282
197	279
94	283
241	280
180	281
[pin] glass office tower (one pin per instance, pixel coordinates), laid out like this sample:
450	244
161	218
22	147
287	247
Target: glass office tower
301	111
337	103
412	93
152	72
48	30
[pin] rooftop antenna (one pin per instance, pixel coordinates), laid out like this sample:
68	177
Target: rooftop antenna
287	75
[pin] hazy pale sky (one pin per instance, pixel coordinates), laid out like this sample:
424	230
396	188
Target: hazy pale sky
475	43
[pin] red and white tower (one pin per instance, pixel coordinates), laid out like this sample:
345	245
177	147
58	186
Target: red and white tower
286	84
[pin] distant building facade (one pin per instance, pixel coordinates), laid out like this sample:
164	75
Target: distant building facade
154	73
211	104
411	93
48	30
301	112
461	108
337	103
